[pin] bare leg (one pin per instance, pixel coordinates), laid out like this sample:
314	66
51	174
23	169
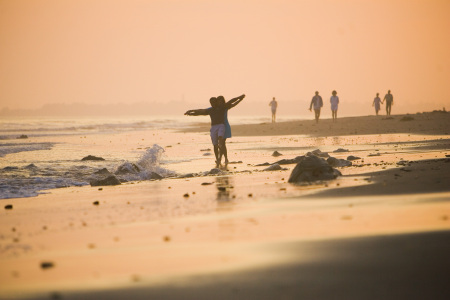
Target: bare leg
216	153
221	150
225	151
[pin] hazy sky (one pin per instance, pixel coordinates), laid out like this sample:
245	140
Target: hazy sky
127	51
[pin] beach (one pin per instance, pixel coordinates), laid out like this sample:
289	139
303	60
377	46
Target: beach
379	231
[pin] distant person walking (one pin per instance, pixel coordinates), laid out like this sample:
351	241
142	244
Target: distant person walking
334	100
317	103
376	103
389	102
273	104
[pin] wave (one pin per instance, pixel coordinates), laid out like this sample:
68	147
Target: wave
11	148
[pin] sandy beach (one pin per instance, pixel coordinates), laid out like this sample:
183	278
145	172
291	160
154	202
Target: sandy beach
379	231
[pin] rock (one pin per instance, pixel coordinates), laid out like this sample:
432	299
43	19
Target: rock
47	265
155	176
10	168
215	171
276	154
374	154
318	153
336	162
207	154
340	150
8	206
103	171
110	180
22	136
96	203
188	175
313	168
274	167
31	167
207	183
127	168
235	162
290	161
351	157
262	165
205	149
92	157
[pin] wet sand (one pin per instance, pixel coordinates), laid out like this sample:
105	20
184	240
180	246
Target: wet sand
381	231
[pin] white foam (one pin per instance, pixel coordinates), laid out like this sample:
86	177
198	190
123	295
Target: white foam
22	147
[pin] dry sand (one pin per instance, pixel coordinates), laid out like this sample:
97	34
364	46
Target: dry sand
374	233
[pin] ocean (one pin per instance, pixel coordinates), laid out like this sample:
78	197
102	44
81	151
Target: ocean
38	154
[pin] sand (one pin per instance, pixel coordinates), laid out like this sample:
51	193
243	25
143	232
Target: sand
381	231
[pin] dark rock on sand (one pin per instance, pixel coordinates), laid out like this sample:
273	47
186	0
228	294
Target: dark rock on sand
276	153
110	180
262	165
103	171
47	265
274	167
340	150
23	136
313	168
336	162
8	206
92	157
155	176
127	168
290	161
318	153
10	168
215	171
351	157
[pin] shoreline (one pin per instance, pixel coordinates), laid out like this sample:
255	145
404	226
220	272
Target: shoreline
428	123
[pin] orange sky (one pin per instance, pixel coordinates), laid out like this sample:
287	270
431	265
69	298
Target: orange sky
127	51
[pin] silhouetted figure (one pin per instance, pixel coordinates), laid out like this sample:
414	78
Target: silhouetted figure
317	103
232	103
389	102
334	100
273	104
376	103
217	113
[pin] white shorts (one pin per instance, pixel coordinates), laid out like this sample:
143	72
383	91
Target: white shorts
216	131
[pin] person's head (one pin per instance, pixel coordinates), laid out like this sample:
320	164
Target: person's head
317	93
213	101
334	93
220	100
389	91
378	94
273	98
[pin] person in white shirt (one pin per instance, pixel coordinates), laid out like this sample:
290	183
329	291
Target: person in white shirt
334	100
274	105
377	103
317	103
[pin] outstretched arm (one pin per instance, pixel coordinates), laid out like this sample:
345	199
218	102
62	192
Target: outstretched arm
197	112
235	101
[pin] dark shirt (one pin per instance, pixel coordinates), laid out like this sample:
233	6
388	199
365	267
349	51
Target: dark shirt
389	98
217	115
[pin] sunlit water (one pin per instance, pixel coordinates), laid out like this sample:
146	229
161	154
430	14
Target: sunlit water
50	156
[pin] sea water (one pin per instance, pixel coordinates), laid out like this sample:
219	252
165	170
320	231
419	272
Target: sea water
38	154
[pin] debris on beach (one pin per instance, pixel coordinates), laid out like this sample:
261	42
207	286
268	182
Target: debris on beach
318	153
351	157
336	162
8	206
127	168
340	150
47	265
22	136
274	167
207	183
276	153
110	180
207	154
92	157
313	168
374	154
